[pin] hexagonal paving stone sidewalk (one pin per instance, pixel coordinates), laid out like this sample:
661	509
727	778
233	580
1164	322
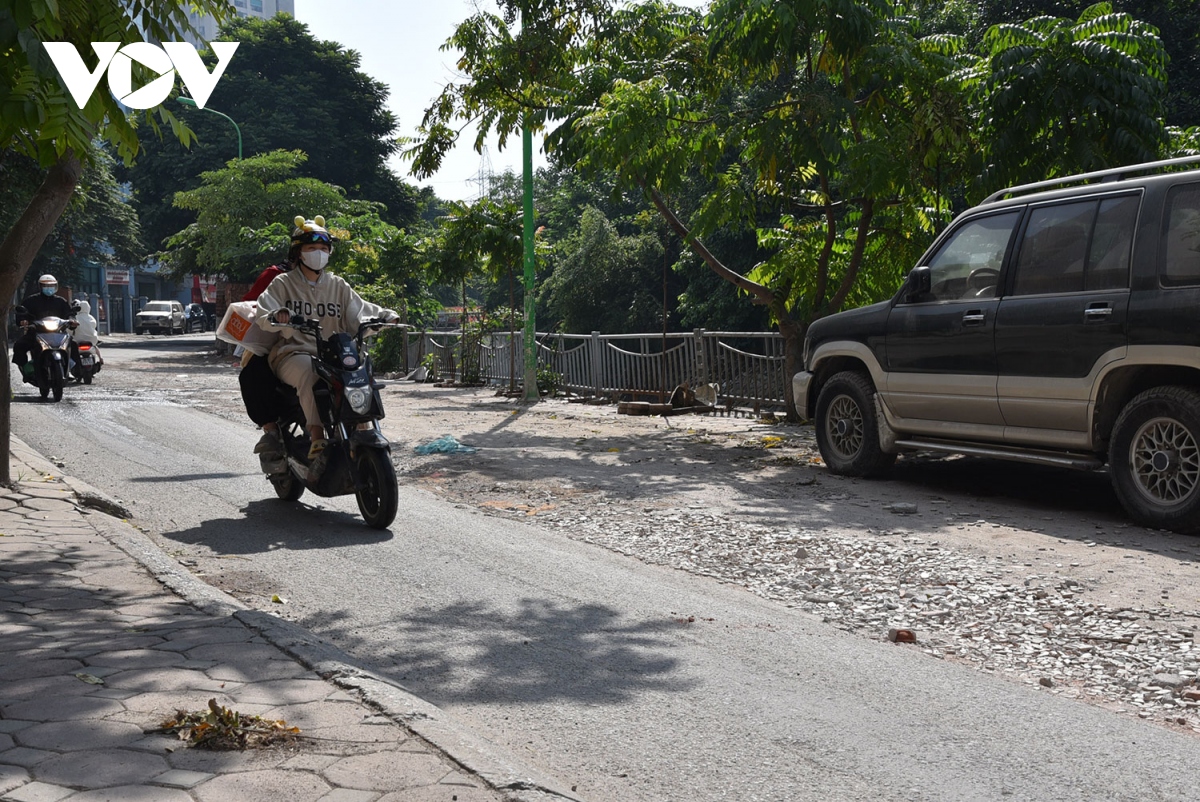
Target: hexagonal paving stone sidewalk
97	653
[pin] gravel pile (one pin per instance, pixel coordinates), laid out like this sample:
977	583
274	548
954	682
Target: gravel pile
990	613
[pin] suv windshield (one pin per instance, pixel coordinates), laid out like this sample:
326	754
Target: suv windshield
157	306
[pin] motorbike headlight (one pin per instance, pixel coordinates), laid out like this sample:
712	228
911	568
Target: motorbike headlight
359	398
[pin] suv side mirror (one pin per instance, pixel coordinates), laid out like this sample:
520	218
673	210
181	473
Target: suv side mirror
918	284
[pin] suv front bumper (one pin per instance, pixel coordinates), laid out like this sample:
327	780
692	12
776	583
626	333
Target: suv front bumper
800	384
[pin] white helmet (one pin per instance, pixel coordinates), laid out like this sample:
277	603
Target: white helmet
46	278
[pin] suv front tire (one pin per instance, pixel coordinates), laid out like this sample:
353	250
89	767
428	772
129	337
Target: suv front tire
847	427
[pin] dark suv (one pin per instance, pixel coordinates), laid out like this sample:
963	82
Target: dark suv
1055	323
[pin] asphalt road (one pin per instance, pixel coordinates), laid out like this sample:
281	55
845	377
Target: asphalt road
628	681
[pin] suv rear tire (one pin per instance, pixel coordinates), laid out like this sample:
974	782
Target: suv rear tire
1154	459
847	428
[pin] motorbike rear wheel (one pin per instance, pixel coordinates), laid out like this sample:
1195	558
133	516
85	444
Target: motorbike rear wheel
378	497
57	380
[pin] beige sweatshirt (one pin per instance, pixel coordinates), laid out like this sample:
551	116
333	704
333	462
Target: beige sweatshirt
329	299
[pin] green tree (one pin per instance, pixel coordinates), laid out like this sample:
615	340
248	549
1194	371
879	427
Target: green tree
244	216
517	74
1100	84
836	131
757	105
1177	23
477	240
39	119
287	90
825	127
97	227
597	286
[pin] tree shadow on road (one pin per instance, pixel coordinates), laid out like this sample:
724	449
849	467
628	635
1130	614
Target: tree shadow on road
472	653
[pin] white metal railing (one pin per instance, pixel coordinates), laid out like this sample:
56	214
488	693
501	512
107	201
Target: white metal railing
747	367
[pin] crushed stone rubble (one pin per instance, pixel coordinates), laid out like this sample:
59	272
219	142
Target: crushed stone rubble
991	613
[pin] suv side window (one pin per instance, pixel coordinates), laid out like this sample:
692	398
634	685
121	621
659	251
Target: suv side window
1112	244
1072	247
1181	241
968	263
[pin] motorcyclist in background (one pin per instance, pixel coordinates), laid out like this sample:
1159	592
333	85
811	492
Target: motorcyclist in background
86	333
43	303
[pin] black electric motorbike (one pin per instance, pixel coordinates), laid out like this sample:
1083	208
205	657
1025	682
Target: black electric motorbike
358	457
50	355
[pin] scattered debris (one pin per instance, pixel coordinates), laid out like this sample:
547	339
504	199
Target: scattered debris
98	501
683	400
683	396
706	394
445	444
222	728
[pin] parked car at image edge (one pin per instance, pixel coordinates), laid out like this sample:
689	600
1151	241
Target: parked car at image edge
198	319
160	316
1054	323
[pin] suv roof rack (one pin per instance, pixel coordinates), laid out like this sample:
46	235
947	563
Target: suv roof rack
1112	174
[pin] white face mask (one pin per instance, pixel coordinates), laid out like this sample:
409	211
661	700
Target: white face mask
315	260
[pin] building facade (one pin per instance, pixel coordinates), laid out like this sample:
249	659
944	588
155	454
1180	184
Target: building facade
206	26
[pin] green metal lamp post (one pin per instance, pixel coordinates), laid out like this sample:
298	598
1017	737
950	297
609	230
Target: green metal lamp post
531	388
187	101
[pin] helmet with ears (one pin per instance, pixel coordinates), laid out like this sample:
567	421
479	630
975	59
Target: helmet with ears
307	232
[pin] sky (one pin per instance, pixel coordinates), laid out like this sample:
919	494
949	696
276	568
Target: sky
399	42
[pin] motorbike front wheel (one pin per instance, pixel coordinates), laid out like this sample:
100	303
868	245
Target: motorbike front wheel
57	380
378	495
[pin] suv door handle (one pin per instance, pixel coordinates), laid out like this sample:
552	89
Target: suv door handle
973	317
1097	312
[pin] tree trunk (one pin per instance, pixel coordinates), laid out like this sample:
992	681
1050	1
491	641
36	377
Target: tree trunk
856	256
792	331
17	252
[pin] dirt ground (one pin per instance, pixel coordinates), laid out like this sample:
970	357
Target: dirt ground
559	456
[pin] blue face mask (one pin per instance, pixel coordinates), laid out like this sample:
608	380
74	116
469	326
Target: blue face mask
48	290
